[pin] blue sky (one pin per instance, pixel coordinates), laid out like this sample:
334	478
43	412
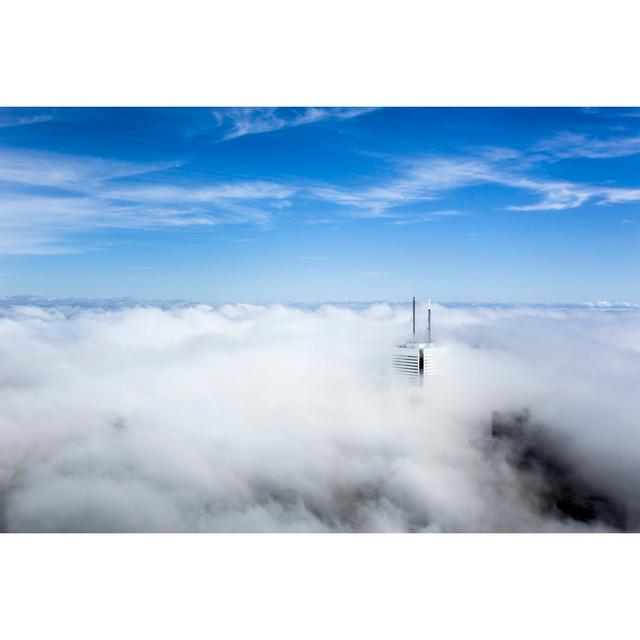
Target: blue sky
313	204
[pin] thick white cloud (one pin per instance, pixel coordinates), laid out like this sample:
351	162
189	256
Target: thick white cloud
250	418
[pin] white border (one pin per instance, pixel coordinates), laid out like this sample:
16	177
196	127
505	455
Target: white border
319	586
297	52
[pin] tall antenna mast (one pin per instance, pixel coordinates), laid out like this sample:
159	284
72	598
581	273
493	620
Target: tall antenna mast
414	319
429	323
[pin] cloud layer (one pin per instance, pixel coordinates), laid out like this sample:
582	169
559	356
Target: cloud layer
50	197
243	121
249	418
46	198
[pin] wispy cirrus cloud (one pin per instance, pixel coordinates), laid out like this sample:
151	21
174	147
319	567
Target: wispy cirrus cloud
426	179
8	119
45	224
430	216
221	203
46	198
417	181
567	145
47	169
244	121
253	190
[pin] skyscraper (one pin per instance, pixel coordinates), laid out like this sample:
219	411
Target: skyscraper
412	361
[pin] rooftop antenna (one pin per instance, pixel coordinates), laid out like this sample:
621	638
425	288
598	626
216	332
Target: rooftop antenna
414	319
429	323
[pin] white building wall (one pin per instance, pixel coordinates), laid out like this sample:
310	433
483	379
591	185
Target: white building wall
405	363
413	361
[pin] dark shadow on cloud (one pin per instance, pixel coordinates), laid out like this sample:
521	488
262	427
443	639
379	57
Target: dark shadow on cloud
556	486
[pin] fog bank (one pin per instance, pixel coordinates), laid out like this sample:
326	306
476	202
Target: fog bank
277	418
